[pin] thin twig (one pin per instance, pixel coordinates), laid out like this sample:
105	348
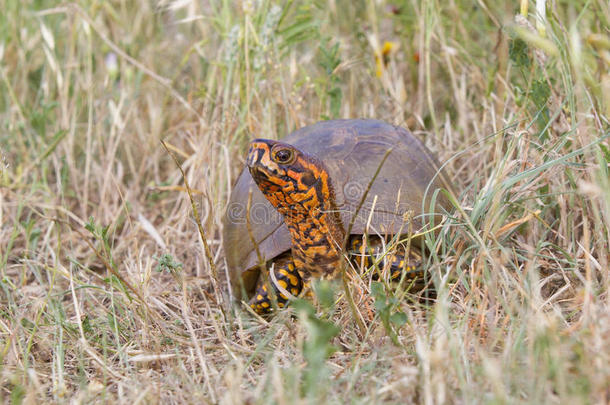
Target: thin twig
348	293
206	247
108	265
261	260
164	81
366	193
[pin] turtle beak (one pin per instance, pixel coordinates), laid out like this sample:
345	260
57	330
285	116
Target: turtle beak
255	154
258	175
254	161
257	151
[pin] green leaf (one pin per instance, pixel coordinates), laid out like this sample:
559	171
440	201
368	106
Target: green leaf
336	96
90	225
606	152
27	324
167	263
86	324
17	394
377	290
317	347
398	318
540	93
325	293
519	53
301	305
54	142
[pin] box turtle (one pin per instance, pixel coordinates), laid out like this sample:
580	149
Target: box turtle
305	191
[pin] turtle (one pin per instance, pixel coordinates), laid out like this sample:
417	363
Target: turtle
296	199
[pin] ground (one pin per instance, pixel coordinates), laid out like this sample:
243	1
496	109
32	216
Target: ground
108	293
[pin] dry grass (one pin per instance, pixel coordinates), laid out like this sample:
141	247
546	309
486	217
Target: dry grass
90	202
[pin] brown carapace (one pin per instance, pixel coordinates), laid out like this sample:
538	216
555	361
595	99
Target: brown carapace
299	187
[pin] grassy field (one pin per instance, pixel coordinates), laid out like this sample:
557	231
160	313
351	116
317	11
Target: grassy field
107	293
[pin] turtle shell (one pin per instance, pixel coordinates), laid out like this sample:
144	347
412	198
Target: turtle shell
352	151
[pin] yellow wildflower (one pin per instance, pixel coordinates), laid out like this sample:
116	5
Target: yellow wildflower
382	57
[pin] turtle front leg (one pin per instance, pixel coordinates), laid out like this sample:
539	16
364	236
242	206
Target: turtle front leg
286	276
400	263
410	265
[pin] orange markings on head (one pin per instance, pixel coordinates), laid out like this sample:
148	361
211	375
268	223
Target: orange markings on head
298	186
289	178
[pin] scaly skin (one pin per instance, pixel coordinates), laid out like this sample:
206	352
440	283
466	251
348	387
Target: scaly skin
303	194
290	280
299	187
287	277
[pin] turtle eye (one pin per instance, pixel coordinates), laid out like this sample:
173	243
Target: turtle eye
283	156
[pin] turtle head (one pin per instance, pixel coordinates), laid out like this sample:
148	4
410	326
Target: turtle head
289	178
298	186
